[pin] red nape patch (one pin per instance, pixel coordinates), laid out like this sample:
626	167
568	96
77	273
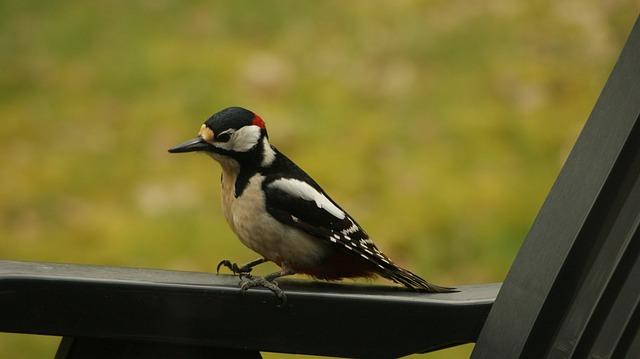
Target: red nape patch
257	121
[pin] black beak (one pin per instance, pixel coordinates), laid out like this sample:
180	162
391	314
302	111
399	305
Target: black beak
194	144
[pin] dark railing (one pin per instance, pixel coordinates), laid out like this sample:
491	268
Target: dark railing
206	310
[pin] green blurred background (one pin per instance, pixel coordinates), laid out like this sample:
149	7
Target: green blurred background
440	125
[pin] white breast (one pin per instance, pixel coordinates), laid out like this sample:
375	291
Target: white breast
258	230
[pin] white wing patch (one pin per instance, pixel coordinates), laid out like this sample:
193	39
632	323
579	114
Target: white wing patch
303	190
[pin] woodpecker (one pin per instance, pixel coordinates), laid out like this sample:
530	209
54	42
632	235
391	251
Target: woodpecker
277	210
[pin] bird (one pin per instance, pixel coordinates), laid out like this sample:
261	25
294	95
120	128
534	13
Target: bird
277	210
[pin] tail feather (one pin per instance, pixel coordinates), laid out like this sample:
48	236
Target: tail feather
413	281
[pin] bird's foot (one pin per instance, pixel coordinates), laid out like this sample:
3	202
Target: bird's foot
233	267
249	281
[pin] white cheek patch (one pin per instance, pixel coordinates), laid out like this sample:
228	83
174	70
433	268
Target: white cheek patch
242	140
223	145
245	138
303	190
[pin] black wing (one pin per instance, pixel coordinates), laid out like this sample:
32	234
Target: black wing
298	203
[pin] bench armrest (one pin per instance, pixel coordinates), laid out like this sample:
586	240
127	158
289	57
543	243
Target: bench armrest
210	310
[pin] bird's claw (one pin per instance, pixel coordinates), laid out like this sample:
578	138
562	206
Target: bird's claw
226	263
233	267
249	281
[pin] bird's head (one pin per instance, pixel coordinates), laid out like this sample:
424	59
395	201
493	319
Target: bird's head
232	134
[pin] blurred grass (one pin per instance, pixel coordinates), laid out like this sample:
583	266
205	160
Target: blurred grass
439	125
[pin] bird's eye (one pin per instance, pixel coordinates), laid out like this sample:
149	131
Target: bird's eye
223	137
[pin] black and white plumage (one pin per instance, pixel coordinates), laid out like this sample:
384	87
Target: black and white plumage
280	212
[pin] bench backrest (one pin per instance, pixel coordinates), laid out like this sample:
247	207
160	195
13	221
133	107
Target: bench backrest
574	288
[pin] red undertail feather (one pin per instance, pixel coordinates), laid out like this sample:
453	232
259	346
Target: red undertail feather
342	265
338	266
